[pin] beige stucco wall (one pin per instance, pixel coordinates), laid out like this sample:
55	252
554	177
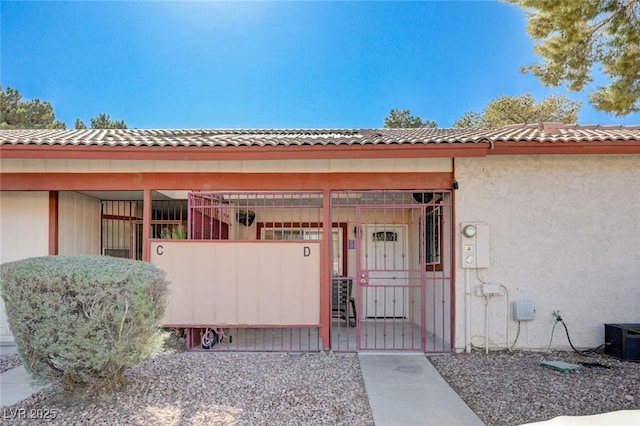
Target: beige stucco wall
564	233
78	224
10	165
24	233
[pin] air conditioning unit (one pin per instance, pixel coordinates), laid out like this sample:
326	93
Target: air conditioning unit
623	341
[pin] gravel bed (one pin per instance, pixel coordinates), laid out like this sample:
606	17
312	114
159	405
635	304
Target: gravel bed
7	362
220	389
503	388
512	388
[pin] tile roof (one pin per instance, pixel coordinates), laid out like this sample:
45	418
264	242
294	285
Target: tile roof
544	132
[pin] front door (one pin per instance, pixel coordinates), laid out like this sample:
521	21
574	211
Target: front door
385	267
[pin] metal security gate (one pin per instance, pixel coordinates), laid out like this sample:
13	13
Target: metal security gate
401	252
391	260
121	228
271	218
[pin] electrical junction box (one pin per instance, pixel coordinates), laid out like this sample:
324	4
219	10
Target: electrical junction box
523	310
491	290
475	245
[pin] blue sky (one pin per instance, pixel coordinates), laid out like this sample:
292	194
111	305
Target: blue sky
161	64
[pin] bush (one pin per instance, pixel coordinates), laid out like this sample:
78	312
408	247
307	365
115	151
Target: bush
83	319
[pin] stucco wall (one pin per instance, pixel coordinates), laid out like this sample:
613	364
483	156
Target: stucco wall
24	233
78	224
564	233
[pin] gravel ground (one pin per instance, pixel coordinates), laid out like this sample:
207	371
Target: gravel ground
280	389
513	389
219	389
7	362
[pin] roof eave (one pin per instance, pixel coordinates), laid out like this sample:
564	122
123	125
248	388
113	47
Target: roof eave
565	148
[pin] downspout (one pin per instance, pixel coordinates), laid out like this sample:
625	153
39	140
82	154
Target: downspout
467	281
486	140
467	290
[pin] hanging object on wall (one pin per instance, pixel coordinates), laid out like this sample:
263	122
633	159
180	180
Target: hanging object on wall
423	197
245	217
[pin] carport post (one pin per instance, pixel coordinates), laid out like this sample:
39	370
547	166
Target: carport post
146	225
53	222
325	269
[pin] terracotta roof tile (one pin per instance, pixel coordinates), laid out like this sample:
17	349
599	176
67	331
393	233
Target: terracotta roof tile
544	133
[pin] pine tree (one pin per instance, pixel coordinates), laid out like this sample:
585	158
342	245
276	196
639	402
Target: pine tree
16	113
103	121
404	119
522	110
575	35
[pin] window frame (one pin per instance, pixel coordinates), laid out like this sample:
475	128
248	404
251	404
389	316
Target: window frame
432	243
340	226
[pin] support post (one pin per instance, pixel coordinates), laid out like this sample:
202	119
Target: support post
325	271
53	223
146	225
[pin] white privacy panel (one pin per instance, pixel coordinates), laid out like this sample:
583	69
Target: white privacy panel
240	282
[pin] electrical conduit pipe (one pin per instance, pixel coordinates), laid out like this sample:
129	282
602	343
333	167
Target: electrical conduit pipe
467	311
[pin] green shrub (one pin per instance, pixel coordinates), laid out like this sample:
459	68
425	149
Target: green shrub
83	319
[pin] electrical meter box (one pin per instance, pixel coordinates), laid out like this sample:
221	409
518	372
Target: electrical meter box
475	245
523	310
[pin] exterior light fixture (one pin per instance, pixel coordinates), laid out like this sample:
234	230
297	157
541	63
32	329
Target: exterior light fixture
245	217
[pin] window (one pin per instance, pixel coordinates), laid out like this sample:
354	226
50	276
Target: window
432	247
283	234
385	236
433	237
269	231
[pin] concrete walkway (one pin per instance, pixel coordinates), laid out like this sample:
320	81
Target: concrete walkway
15	385
407	390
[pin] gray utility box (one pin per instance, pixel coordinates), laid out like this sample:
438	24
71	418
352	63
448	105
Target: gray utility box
623	341
523	310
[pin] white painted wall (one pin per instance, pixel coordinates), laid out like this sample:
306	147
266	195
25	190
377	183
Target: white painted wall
24	233
240	166
564	233
78	224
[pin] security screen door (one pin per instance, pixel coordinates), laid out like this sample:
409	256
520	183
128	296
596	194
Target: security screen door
385	271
